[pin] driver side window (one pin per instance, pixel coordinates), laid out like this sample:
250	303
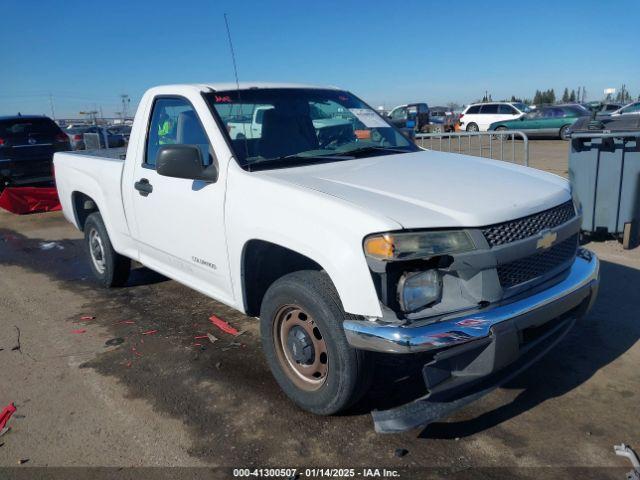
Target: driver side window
174	121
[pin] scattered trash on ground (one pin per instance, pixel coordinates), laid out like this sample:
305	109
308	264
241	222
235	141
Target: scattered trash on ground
79	330
623	450
224	326
212	338
401	452
17	347
218	365
125	322
50	245
112	342
197	344
87	317
149	332
22	461
136	352
199	337
5	415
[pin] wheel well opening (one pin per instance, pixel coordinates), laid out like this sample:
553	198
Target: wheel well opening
83	206
264	263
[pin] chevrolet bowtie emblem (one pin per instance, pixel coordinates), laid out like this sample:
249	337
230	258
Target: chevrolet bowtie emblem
546	240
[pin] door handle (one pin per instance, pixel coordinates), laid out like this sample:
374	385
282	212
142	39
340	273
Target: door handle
143	186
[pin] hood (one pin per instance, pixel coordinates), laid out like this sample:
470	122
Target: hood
434	189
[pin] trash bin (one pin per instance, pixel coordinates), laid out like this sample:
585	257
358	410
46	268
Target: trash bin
604	171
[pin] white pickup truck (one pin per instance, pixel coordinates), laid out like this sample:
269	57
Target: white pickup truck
356	244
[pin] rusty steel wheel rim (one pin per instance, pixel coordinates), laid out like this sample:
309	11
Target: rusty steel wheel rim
300	348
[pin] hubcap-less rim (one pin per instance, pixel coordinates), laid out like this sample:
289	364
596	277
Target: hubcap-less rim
96	249
300	348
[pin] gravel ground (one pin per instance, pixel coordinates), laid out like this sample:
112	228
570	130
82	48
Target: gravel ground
159	400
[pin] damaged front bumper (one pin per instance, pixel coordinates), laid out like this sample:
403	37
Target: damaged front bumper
476	353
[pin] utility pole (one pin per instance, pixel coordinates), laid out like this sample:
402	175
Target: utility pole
53	112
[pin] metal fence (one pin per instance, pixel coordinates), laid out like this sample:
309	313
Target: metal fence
482	144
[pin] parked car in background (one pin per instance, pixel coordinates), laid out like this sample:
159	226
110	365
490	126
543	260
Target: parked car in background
552	121
77	139
629	109
413	116
442	117
124	130
27	145
478	116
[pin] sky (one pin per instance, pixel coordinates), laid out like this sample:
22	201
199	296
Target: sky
81	55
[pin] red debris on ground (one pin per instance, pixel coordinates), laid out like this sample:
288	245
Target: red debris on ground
149	332
129	364
224	326
200	337
197	344
127	322
87	317
79	330
22	200
6	414
136	352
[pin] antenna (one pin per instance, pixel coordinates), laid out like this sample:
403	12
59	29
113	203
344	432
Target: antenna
235	71
233	55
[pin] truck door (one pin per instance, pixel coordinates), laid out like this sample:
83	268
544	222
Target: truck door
180	221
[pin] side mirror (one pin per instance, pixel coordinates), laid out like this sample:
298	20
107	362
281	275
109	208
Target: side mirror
184	161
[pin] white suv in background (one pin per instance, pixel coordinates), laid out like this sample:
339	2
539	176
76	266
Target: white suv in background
478	116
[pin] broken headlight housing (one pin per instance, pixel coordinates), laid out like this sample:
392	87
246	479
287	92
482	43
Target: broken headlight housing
413	245
417	290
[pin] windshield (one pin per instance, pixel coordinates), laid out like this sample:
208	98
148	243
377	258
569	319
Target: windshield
522	107
282	127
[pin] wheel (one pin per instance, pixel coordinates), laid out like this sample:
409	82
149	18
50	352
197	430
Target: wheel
564	132
305	346
109	267
473	127
502	137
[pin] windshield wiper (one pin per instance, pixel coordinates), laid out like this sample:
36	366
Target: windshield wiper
372	148
292	160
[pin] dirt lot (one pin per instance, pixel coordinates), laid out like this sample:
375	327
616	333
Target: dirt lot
158	400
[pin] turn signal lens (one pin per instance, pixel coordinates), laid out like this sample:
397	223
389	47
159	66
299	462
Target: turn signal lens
407	246
379	246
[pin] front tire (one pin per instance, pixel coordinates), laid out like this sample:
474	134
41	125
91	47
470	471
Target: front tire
109	268
305	345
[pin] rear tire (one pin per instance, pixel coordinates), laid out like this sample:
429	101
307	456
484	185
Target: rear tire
564	133
473	127
304	342
109	268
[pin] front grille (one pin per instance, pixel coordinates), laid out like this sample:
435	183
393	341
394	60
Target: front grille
538	264
524	227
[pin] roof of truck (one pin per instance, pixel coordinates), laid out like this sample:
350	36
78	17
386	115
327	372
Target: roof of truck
247	85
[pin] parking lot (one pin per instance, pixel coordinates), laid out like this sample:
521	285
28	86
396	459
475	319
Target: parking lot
161	399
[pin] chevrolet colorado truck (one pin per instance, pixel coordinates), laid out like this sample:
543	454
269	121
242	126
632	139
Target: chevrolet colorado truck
345	247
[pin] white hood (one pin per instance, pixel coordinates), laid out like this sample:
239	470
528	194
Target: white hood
434	189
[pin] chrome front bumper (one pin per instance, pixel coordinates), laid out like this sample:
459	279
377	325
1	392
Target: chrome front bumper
578	283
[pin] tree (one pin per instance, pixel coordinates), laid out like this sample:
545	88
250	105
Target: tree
537	98
565	95
572	96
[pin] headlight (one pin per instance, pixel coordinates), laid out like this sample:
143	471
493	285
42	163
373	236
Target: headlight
418	289
407	246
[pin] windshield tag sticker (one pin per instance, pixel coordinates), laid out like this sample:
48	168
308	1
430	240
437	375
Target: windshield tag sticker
369	118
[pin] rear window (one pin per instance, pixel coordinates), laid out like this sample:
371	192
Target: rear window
474	109
26	126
